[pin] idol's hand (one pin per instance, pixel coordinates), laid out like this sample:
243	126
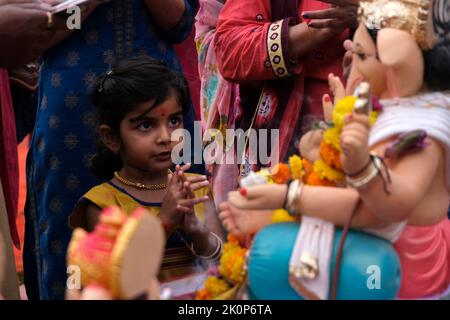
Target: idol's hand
263	197
354	143
243	222
337	89
348	57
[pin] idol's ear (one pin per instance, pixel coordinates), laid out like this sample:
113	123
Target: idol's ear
399	51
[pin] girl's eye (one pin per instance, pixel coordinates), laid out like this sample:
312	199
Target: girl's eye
144	126
175	121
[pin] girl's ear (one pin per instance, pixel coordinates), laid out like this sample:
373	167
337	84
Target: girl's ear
109	138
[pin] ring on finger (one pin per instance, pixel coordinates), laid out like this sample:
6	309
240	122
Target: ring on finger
50	22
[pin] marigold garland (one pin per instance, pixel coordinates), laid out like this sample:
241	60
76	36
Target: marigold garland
296	167
281	173
281	215
326	172
330	156
231	269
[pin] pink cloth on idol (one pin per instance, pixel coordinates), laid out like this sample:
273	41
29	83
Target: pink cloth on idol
9	167
424	253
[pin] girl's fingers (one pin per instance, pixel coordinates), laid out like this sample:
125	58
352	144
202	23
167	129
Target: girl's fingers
185	167
199	185
184	209
193	202
194	179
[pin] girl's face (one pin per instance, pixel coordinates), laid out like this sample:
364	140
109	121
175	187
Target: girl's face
146	142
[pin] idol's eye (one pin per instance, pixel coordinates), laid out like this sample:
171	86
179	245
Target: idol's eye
361	55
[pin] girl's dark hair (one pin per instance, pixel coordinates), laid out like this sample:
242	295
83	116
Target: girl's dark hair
437	60
129	84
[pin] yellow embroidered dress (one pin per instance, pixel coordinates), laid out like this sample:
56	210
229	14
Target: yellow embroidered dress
178	260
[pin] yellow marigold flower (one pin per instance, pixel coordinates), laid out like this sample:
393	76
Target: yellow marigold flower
216	286
281	215
373	117
326	172
342	108
296	166
266	174
332	136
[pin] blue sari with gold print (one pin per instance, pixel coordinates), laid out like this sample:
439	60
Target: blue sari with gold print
58	164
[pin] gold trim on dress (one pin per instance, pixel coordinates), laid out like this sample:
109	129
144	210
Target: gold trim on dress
275	49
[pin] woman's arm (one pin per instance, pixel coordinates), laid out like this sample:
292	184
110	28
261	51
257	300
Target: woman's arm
60	35
85	216
175	18
167	13
250	46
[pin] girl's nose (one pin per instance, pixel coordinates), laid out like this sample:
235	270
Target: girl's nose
164	135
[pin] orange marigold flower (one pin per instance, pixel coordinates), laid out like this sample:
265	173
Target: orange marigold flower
281	173
314	180
235	239
307	166
203	295
330	156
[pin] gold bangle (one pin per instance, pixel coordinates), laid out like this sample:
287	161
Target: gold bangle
217	252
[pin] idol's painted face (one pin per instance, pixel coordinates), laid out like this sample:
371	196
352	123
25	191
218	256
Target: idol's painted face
366	65
145	136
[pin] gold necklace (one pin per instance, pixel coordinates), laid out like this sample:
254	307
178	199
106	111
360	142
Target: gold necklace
140	186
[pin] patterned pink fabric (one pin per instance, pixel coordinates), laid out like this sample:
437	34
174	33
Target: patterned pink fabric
9	167
218	97
424	253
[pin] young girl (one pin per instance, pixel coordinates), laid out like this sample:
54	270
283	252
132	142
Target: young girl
140	103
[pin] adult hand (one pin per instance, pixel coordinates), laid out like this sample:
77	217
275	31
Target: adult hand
342	14
24	30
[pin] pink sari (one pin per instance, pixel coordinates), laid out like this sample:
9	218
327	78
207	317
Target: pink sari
219	98
9	167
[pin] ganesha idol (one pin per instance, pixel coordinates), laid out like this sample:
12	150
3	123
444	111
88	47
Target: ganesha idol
390	170
119	259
